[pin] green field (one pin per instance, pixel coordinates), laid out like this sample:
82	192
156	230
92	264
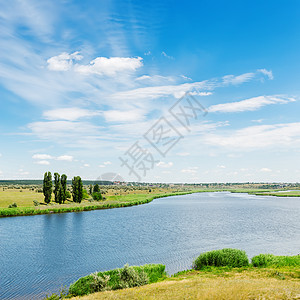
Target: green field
116	196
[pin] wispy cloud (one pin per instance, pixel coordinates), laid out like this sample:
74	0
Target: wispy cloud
42	156
190	170
179	90
69	114
65	158
269	73
162	164
250	104
257	137
43	162
124	116
166	55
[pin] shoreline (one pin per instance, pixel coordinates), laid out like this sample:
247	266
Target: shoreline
32	211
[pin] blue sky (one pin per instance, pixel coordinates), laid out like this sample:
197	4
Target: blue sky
82	82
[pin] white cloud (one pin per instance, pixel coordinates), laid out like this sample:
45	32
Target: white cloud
221	167
101	166
266	72
42	156
250	104
256	137
231	79
63	61
110	66
61	130
69	114
43	162
183	153
190	170
155	79
179	90
124	116
201	93
162	164
65	158
86	165
107	163
166	55
265	170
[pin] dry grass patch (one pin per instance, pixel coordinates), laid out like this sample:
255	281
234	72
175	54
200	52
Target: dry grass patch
252	284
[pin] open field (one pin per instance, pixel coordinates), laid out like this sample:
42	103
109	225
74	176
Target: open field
219	283
116	196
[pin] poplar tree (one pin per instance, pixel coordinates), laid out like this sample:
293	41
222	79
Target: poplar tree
56	187
77	189
47	187
63	181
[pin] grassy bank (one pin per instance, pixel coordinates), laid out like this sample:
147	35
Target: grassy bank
223	284
263	192
266	277
24	199
114	201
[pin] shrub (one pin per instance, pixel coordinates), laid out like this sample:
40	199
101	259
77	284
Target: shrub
129	277
85	194
36	203
99	283
13	205
266	260
118	278
218	258
97	196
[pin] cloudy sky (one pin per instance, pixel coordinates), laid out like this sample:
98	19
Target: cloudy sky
88	87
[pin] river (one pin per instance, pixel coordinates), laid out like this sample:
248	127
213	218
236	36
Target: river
39	254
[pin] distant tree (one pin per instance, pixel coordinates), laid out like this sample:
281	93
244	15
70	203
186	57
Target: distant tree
96	188
57	186
77	189
47	187
91	189
63	181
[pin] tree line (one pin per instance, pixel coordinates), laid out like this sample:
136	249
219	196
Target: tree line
61	194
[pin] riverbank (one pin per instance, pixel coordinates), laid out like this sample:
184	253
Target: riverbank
221	283
219	274
111	202
116	201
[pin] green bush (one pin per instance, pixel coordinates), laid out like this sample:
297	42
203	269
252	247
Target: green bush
99	282
130	277
118	278
97	196
36	203
219	258
266	260
13	205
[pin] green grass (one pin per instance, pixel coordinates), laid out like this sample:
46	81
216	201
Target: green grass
270	260
111	202
221	258
279	280
83	286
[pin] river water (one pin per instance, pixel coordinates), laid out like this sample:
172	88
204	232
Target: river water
40	254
